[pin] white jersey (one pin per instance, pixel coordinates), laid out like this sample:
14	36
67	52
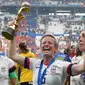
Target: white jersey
6	66
77	80
55	74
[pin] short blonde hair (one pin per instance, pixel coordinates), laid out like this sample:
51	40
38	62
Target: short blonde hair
52	36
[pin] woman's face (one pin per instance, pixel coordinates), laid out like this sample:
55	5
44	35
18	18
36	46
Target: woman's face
48	46
82	41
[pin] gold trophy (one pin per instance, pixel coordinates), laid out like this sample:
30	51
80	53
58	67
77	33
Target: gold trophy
9	33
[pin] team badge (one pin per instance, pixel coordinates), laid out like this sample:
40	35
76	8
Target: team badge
3	69
53	69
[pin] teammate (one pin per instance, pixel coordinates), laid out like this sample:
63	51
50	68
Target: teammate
80	79
26	75
47	71
7	70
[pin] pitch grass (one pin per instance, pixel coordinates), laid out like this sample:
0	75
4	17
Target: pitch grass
60	58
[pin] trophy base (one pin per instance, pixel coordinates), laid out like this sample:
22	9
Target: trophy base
9	33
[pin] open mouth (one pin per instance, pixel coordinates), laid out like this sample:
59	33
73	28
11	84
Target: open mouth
46	49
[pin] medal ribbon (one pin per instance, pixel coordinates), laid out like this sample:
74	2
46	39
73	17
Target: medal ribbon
41	77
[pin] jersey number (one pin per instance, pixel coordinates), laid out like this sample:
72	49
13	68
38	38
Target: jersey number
43	82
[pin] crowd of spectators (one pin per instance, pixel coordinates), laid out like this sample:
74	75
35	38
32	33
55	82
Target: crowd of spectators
50	2
44	24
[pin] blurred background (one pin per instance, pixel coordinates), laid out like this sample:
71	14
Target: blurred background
63	18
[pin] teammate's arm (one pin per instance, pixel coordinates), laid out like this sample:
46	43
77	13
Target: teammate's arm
78	68
12	78
12	53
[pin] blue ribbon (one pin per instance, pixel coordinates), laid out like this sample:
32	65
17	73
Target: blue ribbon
41	77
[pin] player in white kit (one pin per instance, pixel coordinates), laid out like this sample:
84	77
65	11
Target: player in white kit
47	71
6	67
7	70
80	79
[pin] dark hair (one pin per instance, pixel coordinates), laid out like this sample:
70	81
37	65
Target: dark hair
73	46
78	52
23	46
66	51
